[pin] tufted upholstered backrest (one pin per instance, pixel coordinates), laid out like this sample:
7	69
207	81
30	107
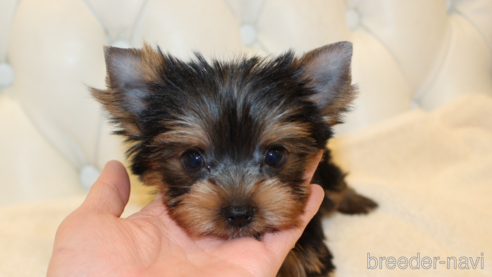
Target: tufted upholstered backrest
407	54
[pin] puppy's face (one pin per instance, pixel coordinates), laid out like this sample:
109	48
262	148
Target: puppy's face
227	143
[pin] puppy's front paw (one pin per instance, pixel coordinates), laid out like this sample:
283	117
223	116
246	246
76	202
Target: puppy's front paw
354	203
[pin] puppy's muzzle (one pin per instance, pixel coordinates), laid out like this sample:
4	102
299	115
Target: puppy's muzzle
239	216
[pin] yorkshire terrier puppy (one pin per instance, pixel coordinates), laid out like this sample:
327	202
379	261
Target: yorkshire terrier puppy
227	142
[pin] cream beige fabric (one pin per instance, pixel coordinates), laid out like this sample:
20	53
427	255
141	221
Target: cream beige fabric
431	173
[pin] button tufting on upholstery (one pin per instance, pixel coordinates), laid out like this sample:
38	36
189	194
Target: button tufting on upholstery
88	175
450	5
248	34
353	19
6	75
121	44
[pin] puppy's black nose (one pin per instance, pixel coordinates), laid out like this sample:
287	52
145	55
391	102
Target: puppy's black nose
239	216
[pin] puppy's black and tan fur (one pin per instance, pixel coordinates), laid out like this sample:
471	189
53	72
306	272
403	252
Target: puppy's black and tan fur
227	142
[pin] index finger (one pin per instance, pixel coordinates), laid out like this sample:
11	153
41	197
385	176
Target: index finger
312	164
282	242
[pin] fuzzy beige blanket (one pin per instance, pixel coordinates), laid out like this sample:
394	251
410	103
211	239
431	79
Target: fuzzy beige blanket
431	174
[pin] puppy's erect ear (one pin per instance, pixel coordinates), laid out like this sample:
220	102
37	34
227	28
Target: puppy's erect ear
129	72
328	67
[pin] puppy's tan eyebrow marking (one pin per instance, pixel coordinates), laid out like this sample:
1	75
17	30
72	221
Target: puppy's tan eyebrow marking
185	132
278	131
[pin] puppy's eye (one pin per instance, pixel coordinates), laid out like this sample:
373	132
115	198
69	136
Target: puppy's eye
276	157
192	161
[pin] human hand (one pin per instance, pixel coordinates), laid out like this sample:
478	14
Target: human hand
95	241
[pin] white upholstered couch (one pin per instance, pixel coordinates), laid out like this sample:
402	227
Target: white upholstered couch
413	61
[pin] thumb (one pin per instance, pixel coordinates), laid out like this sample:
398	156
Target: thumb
110	192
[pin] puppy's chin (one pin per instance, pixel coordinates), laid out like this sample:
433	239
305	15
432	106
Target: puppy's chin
241	233
200	211
227	233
